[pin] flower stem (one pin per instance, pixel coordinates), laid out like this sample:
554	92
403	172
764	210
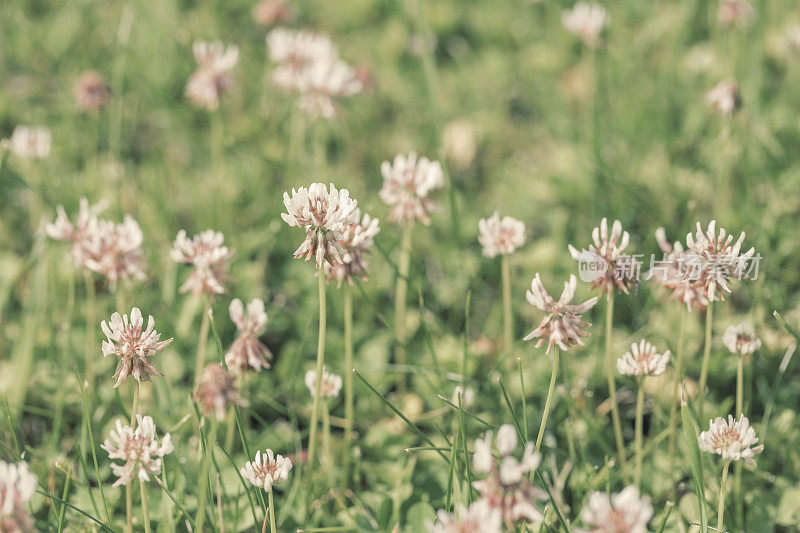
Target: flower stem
403	264
348	377
508	319
548	401
312	438
612	387
706	358
739	385
135	404
737	467
202	496
722	491
145	505
326	434
673	415
91	314
202	341
129	486
639	437
272	527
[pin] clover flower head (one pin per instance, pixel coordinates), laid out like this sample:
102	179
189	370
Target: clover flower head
724	98
323	214
212	78
138	449
407	181
587	21
643	360
615	270
500	235
295	52
624	512
329	388
30	142
741	339
247	352
17	487
479	517
132	345
216	390
268	12
266	470
91	91
506	486
355	238
670	274
714	259
738	13
322	82
562	325
732	439
209	258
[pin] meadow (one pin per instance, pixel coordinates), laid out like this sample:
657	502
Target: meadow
251	280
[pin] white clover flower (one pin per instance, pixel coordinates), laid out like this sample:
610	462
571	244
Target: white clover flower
587	21
407	181
506	487
724	97
479	517
643	360
30	142
323	214
355	238
139	449
132	345
670	274
616	271
212	78
267	470
247	352
732	439
741	339
216	390
625	512
713	259
329	388
562	325
738	13
209	258
295	51
17	487
322	82
500	236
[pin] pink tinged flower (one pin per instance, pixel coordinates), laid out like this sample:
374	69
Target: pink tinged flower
643	360
321	83
741	339
212	78
615	270
587	21
30	142
247	352
115	250
268	12
713	259
209	258
506	487
329	388
355	238
294	52
267	470
407	181
500	236
624	512
738	13
732	439
562	325
479	517
132	345
17	487
670	273
323	214
139	450
91	91
216	391
724	98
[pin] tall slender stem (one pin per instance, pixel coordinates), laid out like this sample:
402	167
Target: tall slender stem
202	496
326	434
403	264
639	433
129	486
612	386
548	401
272	527
145	505
91	324
348	377
508	319
673	415
737	467
312	438
722	490
739	385
202	341
706	358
